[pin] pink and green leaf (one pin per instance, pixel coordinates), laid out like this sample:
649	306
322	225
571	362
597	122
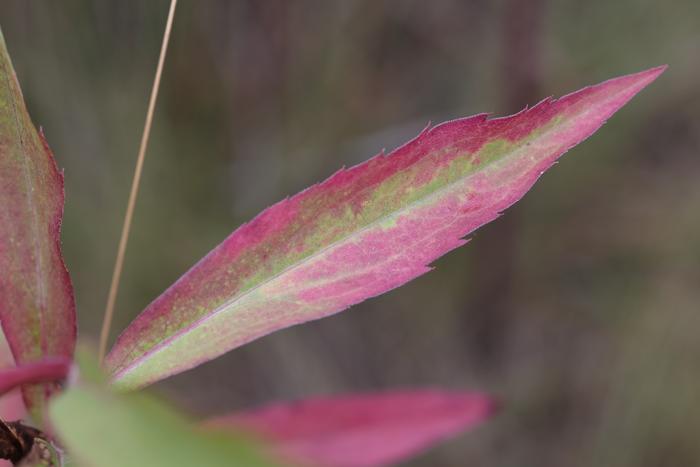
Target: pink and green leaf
362	430
37	308
360	233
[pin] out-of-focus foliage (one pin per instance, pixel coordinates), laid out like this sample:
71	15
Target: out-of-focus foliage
99	427
592	345
362	430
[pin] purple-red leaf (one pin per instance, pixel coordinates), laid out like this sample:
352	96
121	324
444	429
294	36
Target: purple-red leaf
363	430
362	232
37	309
51	369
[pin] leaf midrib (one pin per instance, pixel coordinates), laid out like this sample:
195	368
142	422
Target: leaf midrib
232	302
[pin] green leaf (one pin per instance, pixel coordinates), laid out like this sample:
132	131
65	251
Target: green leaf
100	428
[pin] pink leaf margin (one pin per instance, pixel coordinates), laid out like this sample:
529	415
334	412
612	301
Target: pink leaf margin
363	430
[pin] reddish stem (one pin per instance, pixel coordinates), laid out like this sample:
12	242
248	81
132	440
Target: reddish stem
45	370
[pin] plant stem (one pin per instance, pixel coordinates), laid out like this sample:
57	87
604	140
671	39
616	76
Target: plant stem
119	263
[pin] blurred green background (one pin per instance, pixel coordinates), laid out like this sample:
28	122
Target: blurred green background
578	308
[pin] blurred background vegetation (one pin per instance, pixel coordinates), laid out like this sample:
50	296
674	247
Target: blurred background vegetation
578	308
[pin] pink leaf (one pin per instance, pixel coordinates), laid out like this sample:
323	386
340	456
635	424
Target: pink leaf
363	430
362	232
11	404
37	309
47	370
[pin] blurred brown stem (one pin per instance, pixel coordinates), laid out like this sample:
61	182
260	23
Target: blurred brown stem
490	304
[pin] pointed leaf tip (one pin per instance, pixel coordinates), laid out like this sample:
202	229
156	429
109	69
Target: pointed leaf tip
360	233
362	430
